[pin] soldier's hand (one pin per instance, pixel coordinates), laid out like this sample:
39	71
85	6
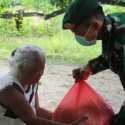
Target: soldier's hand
78	74
82	73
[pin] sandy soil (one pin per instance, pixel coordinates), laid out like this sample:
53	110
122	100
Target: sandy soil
57	80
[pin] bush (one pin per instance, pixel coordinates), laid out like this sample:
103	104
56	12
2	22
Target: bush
5	3
58	43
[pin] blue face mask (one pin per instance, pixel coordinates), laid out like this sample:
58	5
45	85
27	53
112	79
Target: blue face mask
84	42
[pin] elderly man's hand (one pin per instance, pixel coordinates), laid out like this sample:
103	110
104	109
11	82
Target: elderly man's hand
80	121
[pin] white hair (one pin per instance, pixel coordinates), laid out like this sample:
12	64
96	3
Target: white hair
25	59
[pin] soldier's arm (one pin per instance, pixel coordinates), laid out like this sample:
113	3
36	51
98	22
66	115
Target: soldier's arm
98	64
121	71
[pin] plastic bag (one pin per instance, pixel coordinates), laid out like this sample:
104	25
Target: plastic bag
82	100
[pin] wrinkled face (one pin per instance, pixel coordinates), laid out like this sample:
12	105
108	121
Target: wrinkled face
36	74
88	29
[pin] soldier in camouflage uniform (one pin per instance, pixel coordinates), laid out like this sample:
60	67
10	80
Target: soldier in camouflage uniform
86	19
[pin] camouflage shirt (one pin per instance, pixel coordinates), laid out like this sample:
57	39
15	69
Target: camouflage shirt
113	46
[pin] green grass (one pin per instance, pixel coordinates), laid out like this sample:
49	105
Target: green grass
112	9
61	47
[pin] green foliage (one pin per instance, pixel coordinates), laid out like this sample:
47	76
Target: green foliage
43	5
60	3
7	26
32	3
112	9
5	3
61	46
57	43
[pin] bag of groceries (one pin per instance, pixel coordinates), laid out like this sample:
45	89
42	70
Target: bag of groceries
83	101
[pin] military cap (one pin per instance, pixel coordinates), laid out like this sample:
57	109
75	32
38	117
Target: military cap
79	10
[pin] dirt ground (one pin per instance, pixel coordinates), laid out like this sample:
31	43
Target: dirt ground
57	80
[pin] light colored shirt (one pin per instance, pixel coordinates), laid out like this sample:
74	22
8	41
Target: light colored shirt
8	80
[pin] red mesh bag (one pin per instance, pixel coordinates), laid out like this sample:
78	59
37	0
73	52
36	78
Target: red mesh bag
83	100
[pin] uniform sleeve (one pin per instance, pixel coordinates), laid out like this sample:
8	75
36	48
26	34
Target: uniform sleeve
98	64
122	62
121	72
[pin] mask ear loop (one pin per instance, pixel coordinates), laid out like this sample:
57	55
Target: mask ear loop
87	34
96	23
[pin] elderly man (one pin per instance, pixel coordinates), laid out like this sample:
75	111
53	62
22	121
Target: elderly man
86	19
18	89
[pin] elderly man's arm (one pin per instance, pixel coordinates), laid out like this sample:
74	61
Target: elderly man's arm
42	112
15	100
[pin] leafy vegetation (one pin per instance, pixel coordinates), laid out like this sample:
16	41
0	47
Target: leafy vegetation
57	43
